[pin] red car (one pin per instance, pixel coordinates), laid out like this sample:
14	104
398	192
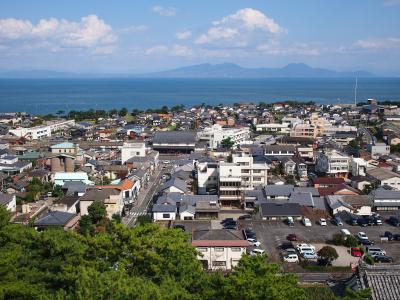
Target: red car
356	252
292	237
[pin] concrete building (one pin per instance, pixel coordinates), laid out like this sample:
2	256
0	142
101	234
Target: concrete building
384	177
219	249
358	166
207	177
65	148
303	130
33	133
333	163
378	149
215	134
60	178
230	184
9	201
273	127
130	150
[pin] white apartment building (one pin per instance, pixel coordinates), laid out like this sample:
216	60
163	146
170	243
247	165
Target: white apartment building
273	127
43	131
215	134
378	149
130	150
207	177
306	153
333	163
244	173
219	249
358	166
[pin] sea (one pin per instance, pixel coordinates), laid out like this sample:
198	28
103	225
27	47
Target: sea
44	96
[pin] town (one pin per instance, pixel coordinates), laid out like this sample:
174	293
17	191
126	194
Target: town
314	188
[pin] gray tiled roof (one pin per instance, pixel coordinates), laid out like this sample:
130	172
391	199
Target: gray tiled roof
175	137
54	218
217	235
278	190
164	208
176	182
280	210
305	199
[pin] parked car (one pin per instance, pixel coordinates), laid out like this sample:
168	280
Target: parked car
356	252
306	222
254	242
345	232
245	217
290	251
388	235
227	220
375	251
366	242
257	251
362	236
322	222
179	226
394	221
286	245
362	222
230	226
353	220
337	221
396	237
310	255
292	237
377	221
299	247
291	258
290	221
250	233
382	258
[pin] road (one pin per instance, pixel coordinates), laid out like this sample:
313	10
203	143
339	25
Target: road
146	197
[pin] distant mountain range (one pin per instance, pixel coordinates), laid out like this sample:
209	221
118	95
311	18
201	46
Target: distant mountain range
229	70
225	70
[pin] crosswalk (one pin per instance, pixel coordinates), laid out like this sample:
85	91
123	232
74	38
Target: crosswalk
138	213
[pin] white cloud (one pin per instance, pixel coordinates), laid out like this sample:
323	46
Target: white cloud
89	32
157	50
183	35
302	49
378	43
174	50
134	29
164	11
244	27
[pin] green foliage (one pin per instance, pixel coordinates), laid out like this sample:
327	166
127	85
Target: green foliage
97	211
369	259
144	262
227	143
328	254
364	294
4	216
319	292
85	225
123	112
351	241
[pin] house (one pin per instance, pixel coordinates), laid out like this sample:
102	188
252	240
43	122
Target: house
326	182
384	177
129	189
333	164
384	199
164	212
9	201
358	166
10	164
356	204
68	203
60	178
112	199
278	192
66	148
219	249
340	189
280	211
175	185
175	141
53	219
130	150
378	149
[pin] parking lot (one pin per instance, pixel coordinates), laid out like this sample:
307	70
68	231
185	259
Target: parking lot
272	234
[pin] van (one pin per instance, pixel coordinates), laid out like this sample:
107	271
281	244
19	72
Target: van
345	232
375	251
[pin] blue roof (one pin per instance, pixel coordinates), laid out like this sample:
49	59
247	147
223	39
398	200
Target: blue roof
63	146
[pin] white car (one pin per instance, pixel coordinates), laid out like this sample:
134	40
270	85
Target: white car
322	222
292	258
257	252
301	247
362	236
254	242
307	222
309	255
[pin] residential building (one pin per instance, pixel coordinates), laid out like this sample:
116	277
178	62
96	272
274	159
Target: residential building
175	141
279	211
378	149
130	150
303	130
283	128
384	177
112	199
60	178
230	184
385	200
53	219
207	177
358	166
215	134
219	249
9	201
280	150
333	163
360	205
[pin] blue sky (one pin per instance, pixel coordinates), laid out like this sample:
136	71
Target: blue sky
125	36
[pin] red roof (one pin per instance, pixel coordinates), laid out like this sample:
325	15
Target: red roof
335	189
220	243
328	180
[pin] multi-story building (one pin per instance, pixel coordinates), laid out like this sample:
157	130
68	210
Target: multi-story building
378	149
207	177
273	127
215	134
43	131
358	166
254	172
333	163
130	150
303	130
230	184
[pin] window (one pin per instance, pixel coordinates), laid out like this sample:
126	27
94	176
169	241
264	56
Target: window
219	263
219	249
202	249
236	249
165	216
